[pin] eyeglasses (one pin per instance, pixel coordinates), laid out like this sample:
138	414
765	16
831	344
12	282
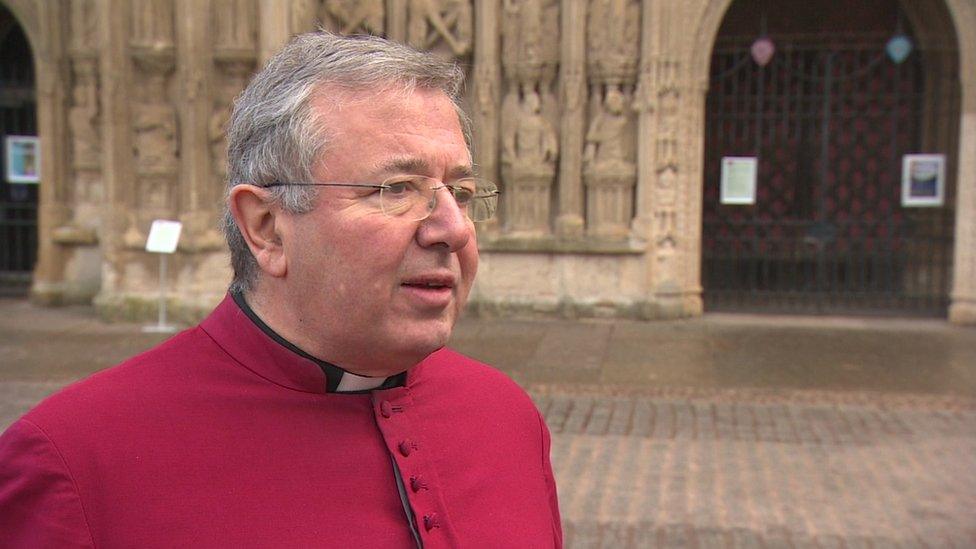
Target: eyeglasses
414	197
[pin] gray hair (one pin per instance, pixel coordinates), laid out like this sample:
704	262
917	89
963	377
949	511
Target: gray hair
274	136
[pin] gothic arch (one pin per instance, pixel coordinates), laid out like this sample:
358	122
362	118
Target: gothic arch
961	15
42	22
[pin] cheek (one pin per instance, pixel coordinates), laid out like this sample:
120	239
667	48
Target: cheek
468	259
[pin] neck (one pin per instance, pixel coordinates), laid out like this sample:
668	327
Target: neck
365	362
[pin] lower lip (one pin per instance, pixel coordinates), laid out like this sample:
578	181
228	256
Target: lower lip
429	297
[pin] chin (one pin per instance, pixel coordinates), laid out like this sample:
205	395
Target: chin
424	342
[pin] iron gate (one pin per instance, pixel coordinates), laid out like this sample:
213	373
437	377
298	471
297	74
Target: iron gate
828	119
18	202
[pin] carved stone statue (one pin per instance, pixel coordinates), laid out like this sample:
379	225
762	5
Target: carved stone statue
610	168
83	118
529	152
531	145
356	16
155	137
608	141
434	20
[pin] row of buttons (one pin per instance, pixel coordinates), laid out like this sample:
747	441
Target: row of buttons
406	447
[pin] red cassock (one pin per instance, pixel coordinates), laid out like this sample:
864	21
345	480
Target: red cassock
222	437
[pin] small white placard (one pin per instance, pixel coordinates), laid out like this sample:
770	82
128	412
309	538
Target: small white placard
739	179
922	180
23	159
163	236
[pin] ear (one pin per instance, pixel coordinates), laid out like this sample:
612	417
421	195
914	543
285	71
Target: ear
258	220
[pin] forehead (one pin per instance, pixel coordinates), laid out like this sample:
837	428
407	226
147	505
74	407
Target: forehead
419	128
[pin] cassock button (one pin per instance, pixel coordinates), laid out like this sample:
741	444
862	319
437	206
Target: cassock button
405	448
386	408
430	522
417	484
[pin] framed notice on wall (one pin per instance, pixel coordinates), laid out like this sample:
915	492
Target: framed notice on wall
922	180
23	159
739	179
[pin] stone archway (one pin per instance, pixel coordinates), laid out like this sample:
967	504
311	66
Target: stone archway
963	17
18	181
44	27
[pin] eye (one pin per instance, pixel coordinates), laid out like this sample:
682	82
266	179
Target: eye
397	187
462	195
464	190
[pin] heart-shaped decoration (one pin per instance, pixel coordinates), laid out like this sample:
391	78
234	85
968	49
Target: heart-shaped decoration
899	48
762	51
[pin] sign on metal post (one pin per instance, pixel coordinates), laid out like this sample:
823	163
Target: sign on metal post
164	235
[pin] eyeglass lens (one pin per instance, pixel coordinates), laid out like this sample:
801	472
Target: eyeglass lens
415	197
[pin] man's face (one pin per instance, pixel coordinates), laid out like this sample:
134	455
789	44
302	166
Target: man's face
371	293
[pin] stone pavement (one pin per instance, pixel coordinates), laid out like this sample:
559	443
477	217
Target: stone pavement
727	431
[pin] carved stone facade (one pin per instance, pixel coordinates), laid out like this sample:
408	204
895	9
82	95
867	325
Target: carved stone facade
588	113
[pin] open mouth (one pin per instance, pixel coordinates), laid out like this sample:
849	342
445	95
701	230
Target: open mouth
430	291
427	285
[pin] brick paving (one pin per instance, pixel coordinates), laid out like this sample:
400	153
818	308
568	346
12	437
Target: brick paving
760	469
723	432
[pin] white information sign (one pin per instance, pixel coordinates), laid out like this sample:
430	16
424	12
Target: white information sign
739	179
922	180
23	159
163	236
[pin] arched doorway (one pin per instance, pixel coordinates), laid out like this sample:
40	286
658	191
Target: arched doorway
848	92
20	162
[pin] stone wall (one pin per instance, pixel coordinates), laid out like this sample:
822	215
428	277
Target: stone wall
589	113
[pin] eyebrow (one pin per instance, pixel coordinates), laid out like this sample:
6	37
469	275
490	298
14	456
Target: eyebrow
419	166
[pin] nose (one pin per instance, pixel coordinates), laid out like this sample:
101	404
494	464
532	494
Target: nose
446	226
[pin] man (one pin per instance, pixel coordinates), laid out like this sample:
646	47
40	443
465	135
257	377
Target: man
316	406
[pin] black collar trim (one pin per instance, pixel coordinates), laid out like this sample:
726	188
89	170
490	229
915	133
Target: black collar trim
333	373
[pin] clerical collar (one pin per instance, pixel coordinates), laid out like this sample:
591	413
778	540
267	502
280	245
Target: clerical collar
337	380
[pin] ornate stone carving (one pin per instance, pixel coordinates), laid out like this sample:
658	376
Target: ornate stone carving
152	25
529	152
155	135
610	169
84	28
155	145
486	92
530	44
610	139
530	58
232	80
532	142
354	16
613	39
441	21
83	116
234	27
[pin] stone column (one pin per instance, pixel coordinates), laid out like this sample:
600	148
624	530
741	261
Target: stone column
53	211
396	20
669	207
274	29
963	306
487	86
198	193
118	174
572	79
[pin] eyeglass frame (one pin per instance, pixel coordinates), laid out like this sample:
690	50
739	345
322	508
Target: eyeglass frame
383	186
